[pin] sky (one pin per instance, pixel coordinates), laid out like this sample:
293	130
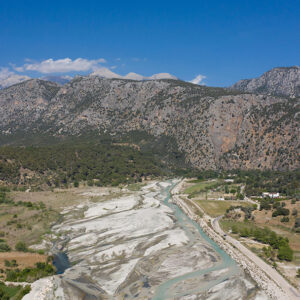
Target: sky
208	42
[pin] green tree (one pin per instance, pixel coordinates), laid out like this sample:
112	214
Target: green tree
285	219
226	189
285	253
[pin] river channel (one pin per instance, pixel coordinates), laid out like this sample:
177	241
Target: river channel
225	260
139	245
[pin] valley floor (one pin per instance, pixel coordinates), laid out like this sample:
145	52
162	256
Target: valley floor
139	245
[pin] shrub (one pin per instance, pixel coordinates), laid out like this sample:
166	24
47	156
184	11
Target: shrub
234	229
265	204
285	253
226	189
280	211
4	247
21	246
30	274
245	233
7	263
23	292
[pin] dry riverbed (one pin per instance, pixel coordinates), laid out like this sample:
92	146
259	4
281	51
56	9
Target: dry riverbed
134	245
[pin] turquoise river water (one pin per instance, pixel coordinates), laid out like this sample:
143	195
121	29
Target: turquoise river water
167	289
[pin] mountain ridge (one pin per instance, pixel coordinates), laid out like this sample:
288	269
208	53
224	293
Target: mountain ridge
213	127
102	72
280	81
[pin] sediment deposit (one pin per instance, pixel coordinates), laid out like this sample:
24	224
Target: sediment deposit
140	246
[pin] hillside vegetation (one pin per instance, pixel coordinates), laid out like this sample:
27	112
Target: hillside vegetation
65	164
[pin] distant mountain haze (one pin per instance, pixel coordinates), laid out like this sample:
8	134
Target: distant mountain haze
11	78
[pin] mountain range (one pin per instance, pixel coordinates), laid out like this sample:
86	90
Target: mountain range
103	72
252	125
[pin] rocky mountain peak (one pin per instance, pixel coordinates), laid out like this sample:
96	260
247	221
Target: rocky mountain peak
280	81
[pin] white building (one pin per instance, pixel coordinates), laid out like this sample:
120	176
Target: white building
229	180
271	195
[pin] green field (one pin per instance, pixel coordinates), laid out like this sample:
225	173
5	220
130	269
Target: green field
201	187
216	208
228	224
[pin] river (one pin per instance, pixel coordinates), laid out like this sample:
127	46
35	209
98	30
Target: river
225	259
140	245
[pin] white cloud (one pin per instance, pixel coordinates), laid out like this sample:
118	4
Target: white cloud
162	76
4	73
134	76
64	65
107	73
198	79
8	78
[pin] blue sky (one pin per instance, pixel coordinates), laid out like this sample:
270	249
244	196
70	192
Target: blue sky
222	40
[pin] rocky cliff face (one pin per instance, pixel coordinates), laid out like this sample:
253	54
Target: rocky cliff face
278	81
215	127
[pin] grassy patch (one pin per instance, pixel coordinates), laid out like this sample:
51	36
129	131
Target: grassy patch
135	186
202	186
228	224
21	223
216	208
